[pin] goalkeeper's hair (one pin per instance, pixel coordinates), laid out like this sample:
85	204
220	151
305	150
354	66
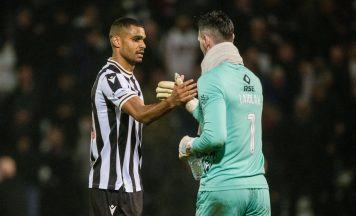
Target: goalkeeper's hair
218	25
123	22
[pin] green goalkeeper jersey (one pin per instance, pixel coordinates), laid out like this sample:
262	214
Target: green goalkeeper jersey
229	111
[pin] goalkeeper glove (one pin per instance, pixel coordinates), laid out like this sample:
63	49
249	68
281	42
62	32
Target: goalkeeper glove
165	88
185	146
195	163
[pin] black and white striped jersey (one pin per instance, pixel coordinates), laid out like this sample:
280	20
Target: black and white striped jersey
115	151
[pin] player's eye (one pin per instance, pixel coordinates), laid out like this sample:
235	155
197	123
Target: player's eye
137	39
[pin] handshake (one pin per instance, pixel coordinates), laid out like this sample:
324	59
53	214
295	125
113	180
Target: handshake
165	90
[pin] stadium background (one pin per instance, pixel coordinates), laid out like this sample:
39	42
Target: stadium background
304	51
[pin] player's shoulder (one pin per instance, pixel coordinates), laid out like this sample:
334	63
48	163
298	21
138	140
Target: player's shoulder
243	70
210	81
110	74
216	74
250	78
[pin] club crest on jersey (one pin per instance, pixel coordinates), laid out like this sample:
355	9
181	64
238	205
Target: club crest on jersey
203	99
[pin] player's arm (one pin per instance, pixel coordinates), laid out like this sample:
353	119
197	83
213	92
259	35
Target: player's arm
149	113
127	100
214	132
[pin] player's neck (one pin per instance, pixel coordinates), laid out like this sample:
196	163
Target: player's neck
123	63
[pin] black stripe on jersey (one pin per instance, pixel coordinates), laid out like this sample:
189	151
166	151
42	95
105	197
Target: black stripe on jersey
112	68
122	140
113	143
99	139
133	144
113	81
135	86
127	79
139	146
139	152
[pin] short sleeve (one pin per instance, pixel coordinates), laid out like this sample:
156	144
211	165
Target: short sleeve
116	89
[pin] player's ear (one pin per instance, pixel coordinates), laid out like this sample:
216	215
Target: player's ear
115	41
207	41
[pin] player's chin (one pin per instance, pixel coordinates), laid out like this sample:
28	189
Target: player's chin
139	59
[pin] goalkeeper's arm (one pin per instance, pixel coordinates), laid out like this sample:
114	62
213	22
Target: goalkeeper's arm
214	132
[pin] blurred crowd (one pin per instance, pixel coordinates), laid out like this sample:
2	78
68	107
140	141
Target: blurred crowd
50	52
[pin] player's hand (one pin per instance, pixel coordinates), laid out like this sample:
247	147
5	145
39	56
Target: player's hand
165	88
185	147
183	93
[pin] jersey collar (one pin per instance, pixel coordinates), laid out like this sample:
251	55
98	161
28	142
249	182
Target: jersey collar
116	64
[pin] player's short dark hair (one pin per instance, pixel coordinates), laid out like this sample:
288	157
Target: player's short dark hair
124	22
218	22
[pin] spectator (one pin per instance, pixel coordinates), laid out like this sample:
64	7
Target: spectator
12	196
181	48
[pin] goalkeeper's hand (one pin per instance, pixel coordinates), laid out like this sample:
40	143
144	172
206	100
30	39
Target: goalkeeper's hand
165	89
185	147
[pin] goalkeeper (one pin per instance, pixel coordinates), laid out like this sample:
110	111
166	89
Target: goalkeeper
229	111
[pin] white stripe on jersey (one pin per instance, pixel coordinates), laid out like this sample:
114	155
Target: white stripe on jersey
126	172
118	182
105	130
136	160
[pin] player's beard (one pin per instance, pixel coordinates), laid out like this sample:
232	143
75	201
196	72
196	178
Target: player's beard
132	60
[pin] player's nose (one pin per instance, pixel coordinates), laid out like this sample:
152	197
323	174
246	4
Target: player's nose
142	45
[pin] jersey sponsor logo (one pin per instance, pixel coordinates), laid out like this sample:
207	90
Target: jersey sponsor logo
249	88
112	209
247	79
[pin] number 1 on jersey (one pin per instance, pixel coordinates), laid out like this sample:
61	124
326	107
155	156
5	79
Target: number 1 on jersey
252	118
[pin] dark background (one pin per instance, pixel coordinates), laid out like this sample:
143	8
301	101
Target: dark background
304	52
